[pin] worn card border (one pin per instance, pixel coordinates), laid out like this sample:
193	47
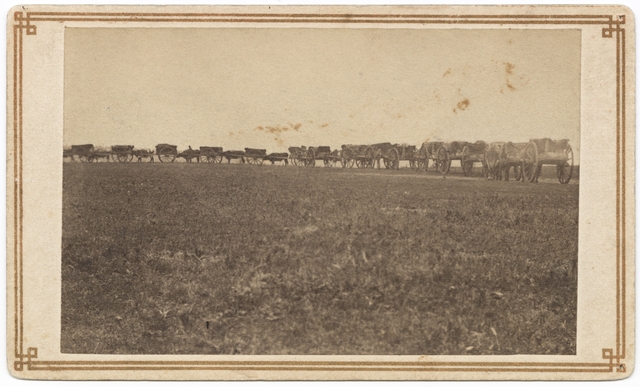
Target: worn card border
617	359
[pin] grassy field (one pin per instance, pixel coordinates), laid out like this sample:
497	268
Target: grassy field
234	259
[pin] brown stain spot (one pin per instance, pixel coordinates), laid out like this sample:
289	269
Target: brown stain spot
510	86
324	125
230	133
446	73
509	41
279	141
464	104
508	67
454	110
351	115
399	115
278	129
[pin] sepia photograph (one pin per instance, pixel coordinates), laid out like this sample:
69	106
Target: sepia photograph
320	192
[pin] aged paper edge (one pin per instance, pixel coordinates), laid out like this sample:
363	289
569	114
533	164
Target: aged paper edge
617	361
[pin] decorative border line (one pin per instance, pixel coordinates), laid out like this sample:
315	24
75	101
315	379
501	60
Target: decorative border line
612	25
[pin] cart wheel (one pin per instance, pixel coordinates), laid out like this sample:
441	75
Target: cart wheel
259	161
122	157
530	162
205	158
565	170
311	158
443	163
130	157
394	159
166	155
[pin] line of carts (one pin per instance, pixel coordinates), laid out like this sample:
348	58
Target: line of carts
496	160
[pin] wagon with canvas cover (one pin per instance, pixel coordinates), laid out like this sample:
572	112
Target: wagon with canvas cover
167	153
472	154
423	155
546	151
81	152
255	156
321	153
298	155
122	153
211	154
429	151
363	156
392	154
448	152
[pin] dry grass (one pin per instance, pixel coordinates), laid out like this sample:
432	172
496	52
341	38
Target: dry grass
282	260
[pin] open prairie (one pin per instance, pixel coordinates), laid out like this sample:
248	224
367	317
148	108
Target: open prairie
238	259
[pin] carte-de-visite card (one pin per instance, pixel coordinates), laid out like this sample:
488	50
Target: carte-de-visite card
320	192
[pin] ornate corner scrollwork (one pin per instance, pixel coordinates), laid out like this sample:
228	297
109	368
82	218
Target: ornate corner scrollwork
614	360
613	26
25	23
32	353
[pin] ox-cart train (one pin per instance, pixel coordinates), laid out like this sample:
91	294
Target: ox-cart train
497	160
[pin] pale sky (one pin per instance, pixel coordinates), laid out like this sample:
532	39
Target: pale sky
278	87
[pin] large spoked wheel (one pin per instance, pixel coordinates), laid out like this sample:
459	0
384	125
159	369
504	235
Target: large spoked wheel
311	158
530	162
207	158
565	170
442	161
423	159
166	155
122	157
